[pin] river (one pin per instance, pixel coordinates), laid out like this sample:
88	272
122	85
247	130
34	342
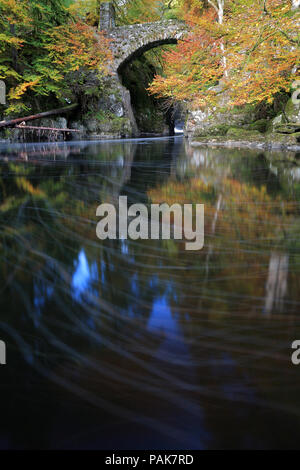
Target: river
122	344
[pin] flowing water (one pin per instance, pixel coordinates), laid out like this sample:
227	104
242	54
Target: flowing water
123	344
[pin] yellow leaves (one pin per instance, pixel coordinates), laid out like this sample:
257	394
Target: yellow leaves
40	44
259	49
27	187
11	40
140	11
17	92
23	183
74	46
175	191
15	12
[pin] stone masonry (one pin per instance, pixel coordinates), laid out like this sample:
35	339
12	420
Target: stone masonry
130	42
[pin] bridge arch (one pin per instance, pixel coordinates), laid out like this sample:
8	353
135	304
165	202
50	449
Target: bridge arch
129	43
132	41
135	54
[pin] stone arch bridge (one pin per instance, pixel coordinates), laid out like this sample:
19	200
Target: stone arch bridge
127	43
131	41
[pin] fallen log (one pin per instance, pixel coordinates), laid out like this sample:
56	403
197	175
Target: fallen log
36	128
53	112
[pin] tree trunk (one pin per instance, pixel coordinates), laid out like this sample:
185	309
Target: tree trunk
219	8
14	52
53	112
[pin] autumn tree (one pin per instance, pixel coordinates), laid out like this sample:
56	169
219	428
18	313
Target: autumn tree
42	42
249	46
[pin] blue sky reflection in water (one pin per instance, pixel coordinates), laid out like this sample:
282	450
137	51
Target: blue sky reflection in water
141	344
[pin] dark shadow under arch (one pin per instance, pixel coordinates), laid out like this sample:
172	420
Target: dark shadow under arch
144	48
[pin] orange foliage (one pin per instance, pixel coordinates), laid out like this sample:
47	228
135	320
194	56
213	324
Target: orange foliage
260	48
77	45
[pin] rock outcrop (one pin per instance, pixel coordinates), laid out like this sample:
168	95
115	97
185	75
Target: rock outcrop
244	127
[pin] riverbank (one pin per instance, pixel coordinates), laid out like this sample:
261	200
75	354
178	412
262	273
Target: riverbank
275	127
213	141
264	144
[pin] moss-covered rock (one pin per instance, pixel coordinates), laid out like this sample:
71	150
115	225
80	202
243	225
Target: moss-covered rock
283	140
208	122
106	125
261	125
292	111
252	117
106	114
238	133
220	129
290	114
240	137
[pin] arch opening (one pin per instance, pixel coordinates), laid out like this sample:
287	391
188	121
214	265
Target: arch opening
137	53
136	72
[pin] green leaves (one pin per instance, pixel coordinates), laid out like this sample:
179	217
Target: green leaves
41	43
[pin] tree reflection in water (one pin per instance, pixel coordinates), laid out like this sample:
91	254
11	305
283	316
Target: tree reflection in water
122	344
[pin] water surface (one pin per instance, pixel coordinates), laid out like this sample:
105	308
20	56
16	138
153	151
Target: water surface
140	344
